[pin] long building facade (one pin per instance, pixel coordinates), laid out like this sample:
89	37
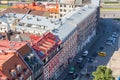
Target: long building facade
54	42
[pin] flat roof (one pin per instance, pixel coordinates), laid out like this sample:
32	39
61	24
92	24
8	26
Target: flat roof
61	27
72	19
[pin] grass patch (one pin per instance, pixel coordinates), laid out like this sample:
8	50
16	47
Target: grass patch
117	19
111	2
109	9
4	6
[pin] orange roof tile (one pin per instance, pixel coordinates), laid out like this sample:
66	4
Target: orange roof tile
8	45
4	58
9	63
53	8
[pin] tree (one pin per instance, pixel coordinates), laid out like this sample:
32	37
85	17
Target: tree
103	73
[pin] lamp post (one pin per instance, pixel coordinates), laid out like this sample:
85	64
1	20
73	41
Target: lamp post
94	63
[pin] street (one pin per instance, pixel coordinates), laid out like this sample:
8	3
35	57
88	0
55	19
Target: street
108	26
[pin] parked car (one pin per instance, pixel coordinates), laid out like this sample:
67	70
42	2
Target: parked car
91	59
101	48
75	75
115	35
81	66
72	70
85	53
103	54
109	43
80	60
94	54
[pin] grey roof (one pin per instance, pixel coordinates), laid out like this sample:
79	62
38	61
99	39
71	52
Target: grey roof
61	27
72	19
83	14
65	30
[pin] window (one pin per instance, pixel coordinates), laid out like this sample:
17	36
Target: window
64	5
61	10
60	5
19	67
13	72
64	10
60	15
55	16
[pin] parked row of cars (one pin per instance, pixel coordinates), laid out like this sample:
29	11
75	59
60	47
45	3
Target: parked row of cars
111	40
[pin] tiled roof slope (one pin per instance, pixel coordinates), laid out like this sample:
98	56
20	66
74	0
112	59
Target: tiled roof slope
12	66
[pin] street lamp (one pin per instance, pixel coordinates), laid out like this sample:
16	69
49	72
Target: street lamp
94	63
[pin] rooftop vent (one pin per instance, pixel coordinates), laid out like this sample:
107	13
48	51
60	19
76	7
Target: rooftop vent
55	30
52	20
38	19
56	22
79	13
83	9
69	18
90	7
28	17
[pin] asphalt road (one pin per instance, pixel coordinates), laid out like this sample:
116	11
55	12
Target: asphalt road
108	26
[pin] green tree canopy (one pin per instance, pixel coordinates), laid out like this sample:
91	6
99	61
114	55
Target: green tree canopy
103	73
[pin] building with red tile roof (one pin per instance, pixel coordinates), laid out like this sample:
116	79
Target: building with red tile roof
46	47
45	44
12	67
15	52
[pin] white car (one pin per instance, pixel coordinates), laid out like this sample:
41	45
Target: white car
109	43
111	39
85	53
115	35
80	60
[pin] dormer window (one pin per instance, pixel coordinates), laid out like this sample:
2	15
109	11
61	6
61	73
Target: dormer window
19	67
32	56
26	71
21	77
13	72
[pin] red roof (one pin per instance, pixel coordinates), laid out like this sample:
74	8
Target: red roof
9	63
53	8
9	45
2	76
45	44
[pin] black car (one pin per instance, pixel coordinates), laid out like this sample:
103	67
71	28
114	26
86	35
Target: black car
81	66
101	48
94	54
91	59
75	75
